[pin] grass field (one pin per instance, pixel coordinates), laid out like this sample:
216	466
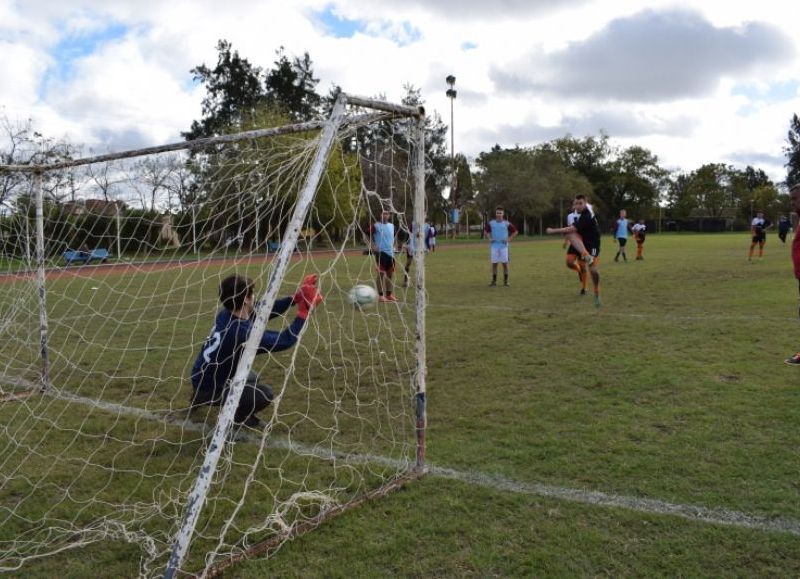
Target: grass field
559	434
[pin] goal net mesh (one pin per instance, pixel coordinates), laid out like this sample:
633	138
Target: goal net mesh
97	460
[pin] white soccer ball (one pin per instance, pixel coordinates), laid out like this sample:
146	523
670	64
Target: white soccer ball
362	295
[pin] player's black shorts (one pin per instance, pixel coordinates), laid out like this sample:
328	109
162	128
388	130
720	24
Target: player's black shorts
594	250
622	241
641	238
572	251
385	261
759	238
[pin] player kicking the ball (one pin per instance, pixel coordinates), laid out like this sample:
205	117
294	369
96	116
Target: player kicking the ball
588	230
500	232
573	254
216	364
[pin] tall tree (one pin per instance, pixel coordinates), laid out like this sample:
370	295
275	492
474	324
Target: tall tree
792	151
291	87
233	91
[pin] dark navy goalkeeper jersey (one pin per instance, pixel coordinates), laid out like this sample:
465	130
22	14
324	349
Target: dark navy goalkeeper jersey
217	361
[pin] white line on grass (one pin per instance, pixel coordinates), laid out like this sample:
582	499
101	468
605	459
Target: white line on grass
676	317
596	498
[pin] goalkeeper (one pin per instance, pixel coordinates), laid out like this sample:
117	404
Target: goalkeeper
216	364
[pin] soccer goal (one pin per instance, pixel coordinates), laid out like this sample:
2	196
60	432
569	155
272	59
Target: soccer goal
111	272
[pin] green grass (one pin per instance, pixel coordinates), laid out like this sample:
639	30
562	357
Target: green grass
674	390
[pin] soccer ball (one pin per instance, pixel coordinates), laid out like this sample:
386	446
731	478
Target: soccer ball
362	295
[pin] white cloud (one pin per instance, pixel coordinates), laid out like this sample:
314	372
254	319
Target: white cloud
681	100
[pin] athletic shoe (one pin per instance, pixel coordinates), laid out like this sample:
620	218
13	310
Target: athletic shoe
492	284
616	258
794	360
505	284
254	422
596	301
383	299
583	291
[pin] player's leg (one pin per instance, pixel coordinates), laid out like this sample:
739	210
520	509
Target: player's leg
576	241
752	248
795	360
639	249
379	274
579	268
388	281
407	268
505	269
622	243
595	281
255	397
493	255
761	248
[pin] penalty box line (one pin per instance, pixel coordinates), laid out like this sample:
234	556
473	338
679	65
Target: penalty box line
695	513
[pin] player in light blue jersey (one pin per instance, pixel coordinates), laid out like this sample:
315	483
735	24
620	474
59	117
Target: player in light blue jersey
382	244
500	232
621	235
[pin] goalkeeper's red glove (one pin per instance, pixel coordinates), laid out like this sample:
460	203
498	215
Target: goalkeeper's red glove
308	298
309	280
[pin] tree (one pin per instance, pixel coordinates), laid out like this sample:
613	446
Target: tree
792	151
290	87
527	182
233	92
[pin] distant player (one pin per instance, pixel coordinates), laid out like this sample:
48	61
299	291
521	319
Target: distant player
587	228
411	246
758	229
216	363
621	235
382	243
784	226
639	233
794	200
500	232
431	237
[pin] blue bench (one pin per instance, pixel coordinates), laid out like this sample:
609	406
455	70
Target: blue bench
79	256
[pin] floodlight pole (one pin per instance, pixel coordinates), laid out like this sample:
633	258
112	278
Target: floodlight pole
451	94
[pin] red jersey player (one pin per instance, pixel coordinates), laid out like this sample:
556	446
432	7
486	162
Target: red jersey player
794	199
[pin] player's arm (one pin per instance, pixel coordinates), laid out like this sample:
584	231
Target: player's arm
512	231
281	306
563	230
487	229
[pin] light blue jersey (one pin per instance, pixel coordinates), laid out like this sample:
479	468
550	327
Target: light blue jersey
622	228
383	237
499	231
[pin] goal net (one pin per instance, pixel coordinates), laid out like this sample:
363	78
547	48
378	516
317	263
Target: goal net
111	268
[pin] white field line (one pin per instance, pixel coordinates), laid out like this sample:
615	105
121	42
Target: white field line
715	516
705	317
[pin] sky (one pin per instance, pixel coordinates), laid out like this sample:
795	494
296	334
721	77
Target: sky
694	82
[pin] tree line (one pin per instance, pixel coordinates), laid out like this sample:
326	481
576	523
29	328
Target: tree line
535	184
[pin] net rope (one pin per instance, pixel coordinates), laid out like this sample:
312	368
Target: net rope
103	459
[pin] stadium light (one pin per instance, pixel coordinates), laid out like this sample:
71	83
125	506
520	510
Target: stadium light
451	94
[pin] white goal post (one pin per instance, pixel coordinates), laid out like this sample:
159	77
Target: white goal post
100	324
